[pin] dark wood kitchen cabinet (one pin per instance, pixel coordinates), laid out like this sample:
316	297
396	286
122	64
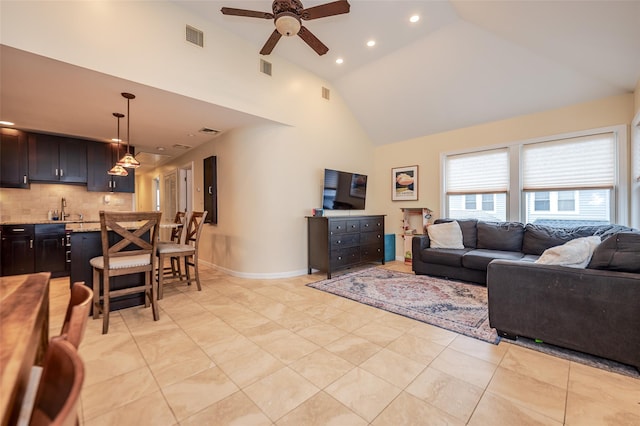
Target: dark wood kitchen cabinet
211	189
32	248
101	157
17	249
14	159
57	159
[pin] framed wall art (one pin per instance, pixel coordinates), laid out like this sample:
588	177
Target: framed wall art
404	183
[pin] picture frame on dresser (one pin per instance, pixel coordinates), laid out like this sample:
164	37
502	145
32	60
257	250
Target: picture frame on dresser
404	183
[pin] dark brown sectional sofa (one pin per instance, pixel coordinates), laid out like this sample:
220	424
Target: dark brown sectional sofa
594	310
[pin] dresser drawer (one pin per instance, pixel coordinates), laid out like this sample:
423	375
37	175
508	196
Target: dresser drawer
337	227
344	240
372	224
367	238
371	252
353	226
343	257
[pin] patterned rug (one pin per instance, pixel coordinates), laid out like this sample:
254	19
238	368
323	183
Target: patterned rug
452	305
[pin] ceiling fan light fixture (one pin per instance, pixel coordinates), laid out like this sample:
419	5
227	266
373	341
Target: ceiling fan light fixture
288	24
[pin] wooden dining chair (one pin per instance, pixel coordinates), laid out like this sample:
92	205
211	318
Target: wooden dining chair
176	235
57	396
126	252
77	315
187	250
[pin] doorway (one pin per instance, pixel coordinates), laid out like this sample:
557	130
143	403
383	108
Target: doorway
185	188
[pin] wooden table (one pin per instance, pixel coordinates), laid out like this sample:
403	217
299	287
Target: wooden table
24	335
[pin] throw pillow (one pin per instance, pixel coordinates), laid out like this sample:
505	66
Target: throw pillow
445	235
618	252
575	253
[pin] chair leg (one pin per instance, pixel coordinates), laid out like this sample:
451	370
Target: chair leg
160	276
96	293
186	269
105	303
197	272
152	295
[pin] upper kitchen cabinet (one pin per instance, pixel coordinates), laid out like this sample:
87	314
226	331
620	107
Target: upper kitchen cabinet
101	157
57	159
14	159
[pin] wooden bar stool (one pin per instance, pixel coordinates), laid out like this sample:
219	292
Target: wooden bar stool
128	254
77	315
187	250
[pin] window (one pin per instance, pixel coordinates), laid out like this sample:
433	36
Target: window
566	201
571	180
542	202
477	179
470	202
565	180
488	202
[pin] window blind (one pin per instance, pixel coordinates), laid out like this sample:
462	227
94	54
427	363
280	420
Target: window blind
586	162
477	172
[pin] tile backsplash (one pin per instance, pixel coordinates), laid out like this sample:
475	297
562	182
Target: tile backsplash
25	205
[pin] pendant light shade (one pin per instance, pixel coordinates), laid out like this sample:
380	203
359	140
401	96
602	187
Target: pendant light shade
128	160
118	170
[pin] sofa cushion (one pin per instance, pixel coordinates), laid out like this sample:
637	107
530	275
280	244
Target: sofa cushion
618	252
505	236
468	228
538	238
480	258
449	257
575	253
445	236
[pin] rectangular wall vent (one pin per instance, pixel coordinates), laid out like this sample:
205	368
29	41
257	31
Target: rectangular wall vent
326	93
265	67
195	36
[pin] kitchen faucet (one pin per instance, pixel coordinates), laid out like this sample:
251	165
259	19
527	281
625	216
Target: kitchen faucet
63	215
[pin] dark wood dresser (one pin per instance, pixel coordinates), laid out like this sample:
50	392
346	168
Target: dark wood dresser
343	241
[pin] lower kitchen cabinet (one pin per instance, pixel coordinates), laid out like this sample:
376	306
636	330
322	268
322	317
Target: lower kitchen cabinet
34	248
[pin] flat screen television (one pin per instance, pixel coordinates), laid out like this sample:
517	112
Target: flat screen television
343	190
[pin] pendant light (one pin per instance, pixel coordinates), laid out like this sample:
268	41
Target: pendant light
128	160
118	170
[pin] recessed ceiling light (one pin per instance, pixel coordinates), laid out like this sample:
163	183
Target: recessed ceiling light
160	148
371	43
339	61
7	123
414	19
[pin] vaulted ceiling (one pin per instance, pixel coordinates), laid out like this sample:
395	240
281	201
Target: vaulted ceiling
462	63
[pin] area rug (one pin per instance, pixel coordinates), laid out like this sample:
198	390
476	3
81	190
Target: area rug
453	305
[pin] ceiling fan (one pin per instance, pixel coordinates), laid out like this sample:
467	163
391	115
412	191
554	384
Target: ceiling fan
287	15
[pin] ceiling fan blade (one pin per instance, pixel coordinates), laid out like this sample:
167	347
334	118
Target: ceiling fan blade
247	13
312	41
328	9
271	43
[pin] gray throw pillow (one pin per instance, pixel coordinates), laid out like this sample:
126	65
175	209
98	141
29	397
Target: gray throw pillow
506	236
619	252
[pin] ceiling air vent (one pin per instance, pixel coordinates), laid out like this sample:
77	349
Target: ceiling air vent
208	130
326	93
195	36
179	146
265	67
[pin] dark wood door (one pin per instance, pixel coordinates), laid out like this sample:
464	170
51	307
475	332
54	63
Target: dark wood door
14	159
43	158
17	255
211	189
72	160
101	157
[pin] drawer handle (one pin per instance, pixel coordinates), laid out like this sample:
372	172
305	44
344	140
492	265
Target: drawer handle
18	229
338	227
339	242
339	257
366	225
353	226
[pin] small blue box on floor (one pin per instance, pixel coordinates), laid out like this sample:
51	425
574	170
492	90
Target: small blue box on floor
389	247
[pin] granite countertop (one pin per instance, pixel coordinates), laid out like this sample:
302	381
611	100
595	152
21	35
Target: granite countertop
73	225
44	222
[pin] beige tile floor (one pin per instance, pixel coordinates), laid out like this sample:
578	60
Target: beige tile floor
274	352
